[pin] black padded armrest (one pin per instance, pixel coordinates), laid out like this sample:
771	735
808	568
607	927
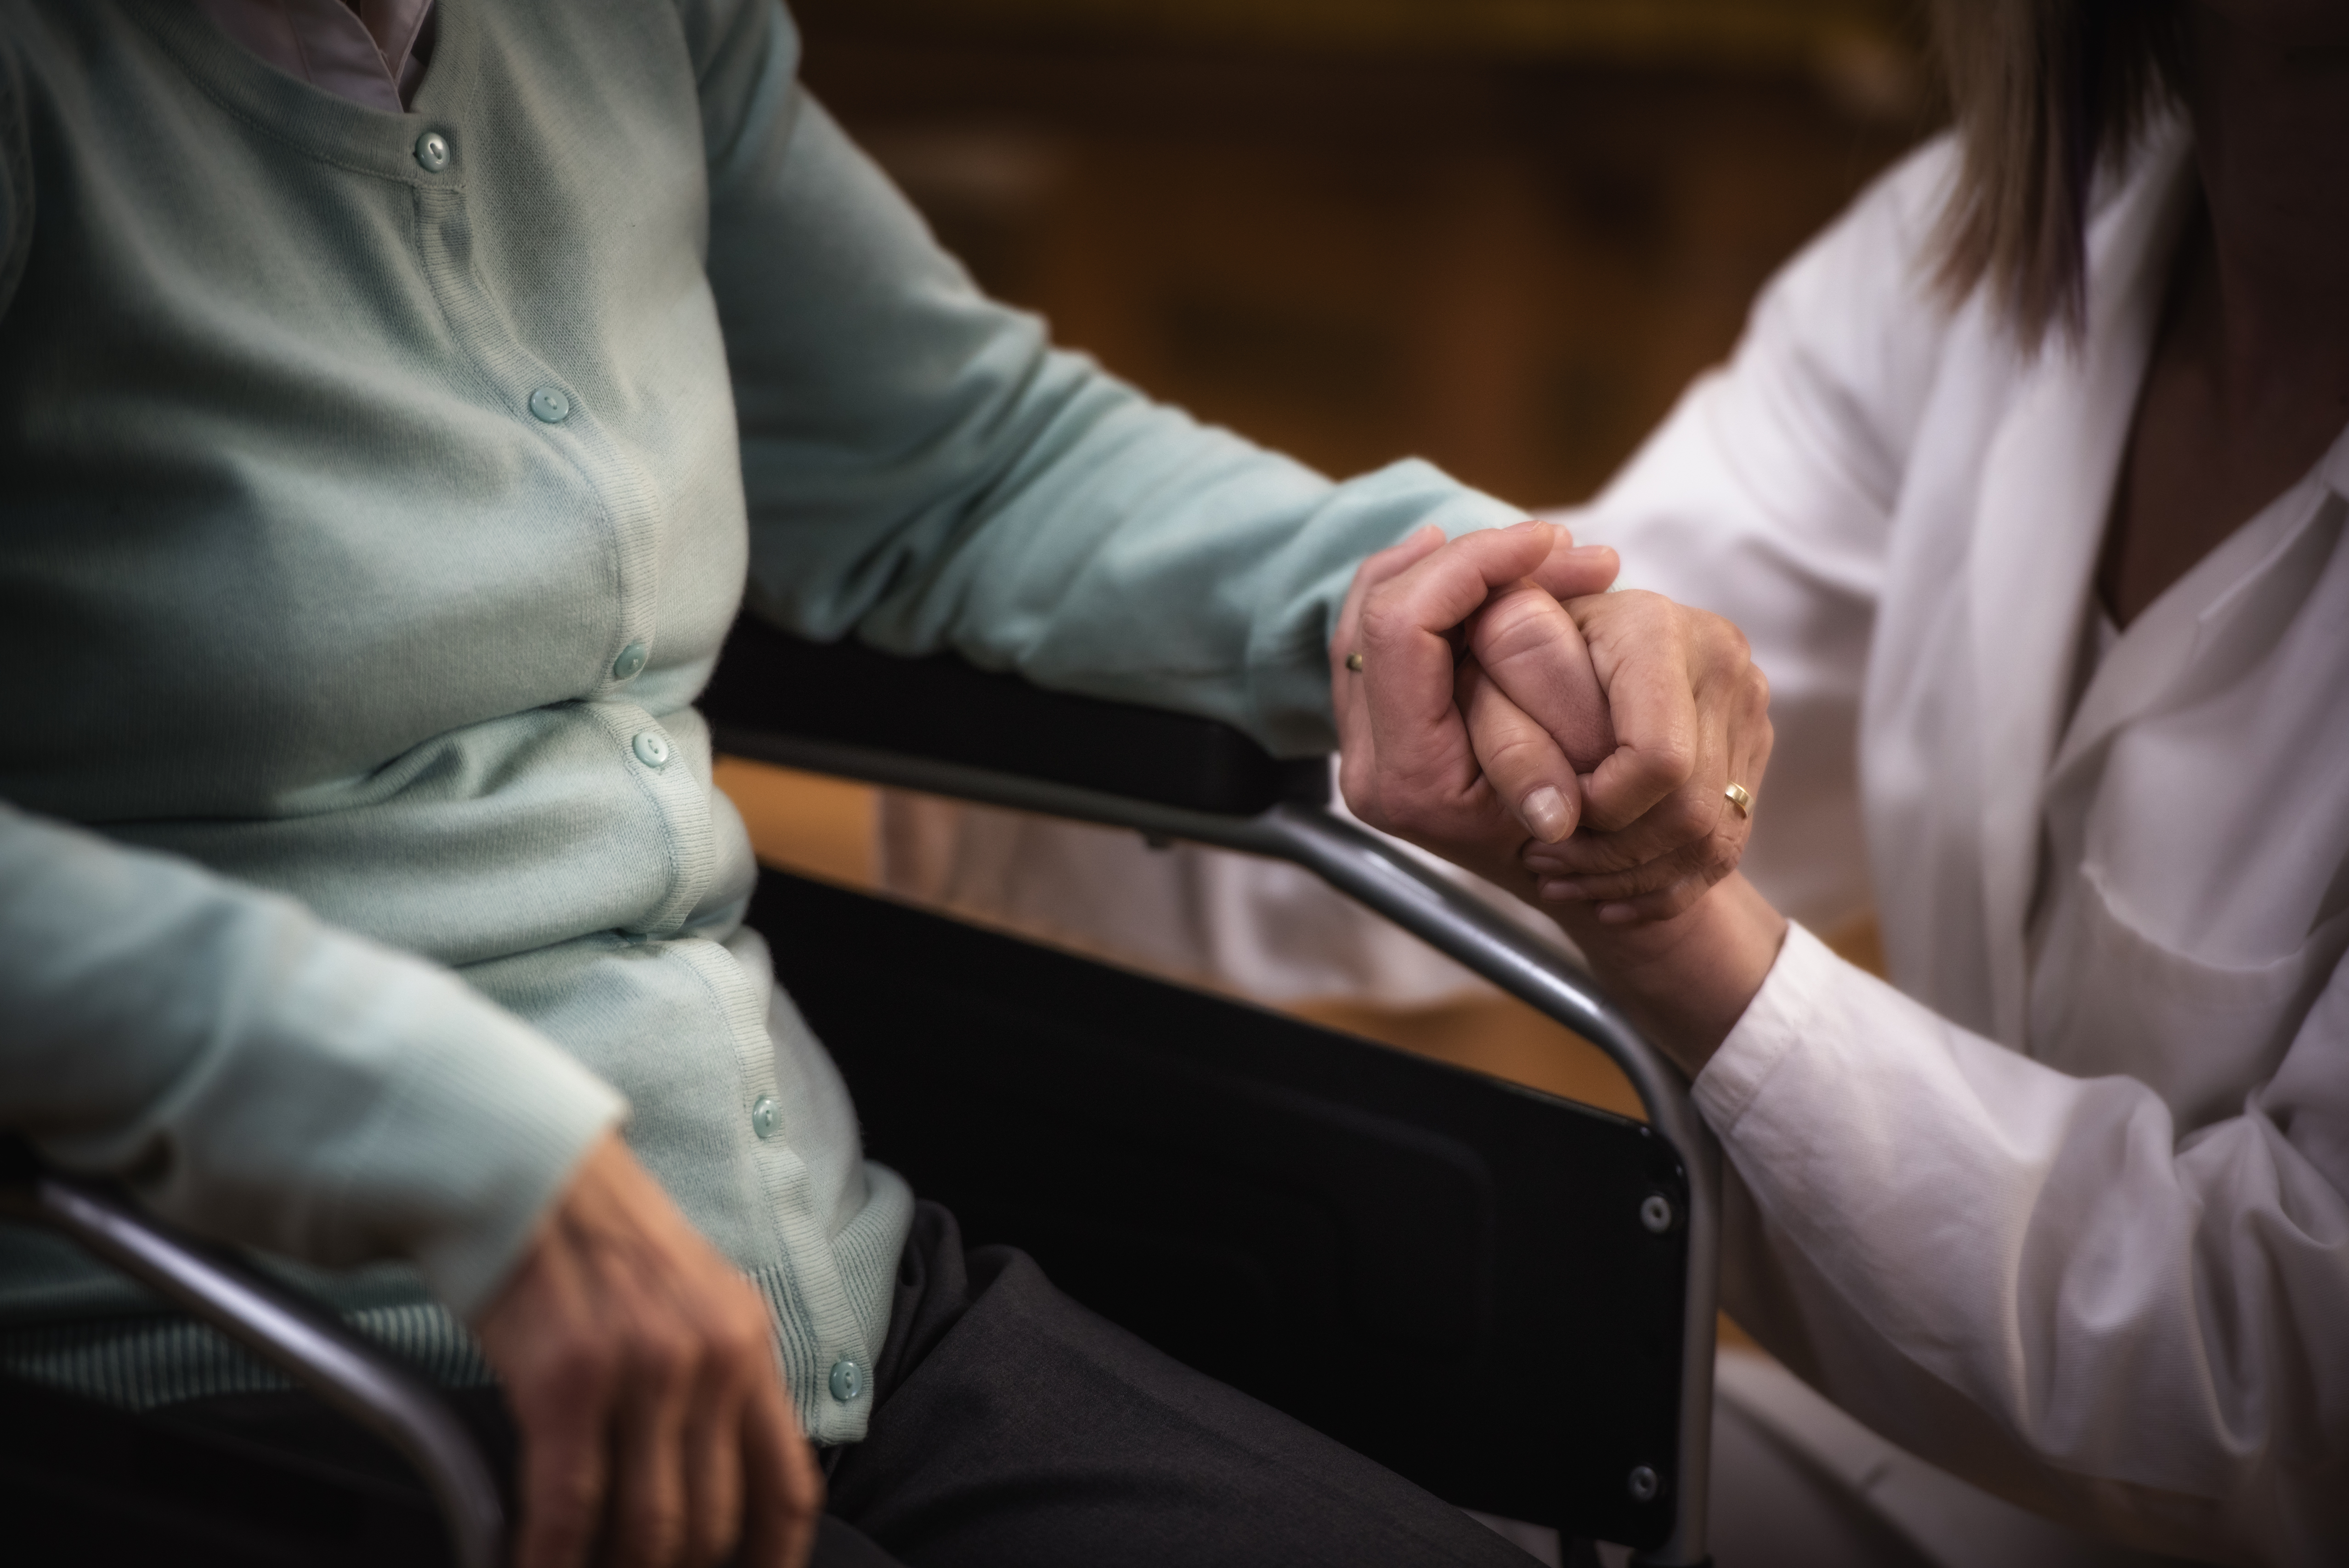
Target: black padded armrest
772	684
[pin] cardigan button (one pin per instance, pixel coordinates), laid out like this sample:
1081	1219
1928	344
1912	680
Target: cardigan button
432	152
765	1117
550	405
631	660
651	750
847	1380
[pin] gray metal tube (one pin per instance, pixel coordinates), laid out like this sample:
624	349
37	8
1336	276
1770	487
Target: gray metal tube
1373	873
358	1379
1464	929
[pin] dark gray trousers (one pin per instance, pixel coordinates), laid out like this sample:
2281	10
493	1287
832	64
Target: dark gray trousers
1013	1426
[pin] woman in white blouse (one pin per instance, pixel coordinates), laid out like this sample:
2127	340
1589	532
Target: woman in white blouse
2028	486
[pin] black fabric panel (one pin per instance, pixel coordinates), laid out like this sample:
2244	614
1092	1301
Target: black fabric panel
267	1481
1446	1273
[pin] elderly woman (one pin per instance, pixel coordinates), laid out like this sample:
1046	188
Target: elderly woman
2028	486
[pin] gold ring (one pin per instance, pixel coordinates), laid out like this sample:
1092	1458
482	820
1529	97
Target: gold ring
1742	797
1354	663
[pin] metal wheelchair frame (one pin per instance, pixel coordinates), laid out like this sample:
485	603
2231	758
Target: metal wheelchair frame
280	1328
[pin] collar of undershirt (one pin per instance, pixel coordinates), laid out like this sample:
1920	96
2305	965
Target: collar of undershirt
370	52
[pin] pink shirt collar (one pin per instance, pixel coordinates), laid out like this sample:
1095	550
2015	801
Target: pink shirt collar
362	50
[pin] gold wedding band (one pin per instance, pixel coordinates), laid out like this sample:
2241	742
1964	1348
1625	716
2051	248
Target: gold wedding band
1354	663
1742	797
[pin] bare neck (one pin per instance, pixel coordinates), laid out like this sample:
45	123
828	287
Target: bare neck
2249	382
2269	97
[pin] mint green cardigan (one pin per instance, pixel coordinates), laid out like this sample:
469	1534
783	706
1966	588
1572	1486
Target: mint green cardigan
375	509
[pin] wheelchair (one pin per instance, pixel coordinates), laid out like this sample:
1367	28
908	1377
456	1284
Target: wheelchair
1505	1296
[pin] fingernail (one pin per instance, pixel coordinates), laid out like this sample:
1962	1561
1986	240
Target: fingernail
1546	813
1555	892
1617	914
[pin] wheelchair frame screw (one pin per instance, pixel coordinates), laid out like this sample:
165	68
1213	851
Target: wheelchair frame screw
1656	1212
1645	1484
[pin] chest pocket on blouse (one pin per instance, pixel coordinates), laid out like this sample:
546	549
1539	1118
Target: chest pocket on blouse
2106	1000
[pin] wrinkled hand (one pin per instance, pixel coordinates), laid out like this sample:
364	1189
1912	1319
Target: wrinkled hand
1691	717
1438	751
656	1429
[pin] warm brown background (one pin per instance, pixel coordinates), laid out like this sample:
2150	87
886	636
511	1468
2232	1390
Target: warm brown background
1500	235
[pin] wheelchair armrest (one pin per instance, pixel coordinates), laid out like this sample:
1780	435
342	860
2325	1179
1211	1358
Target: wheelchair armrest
942	709
280	1327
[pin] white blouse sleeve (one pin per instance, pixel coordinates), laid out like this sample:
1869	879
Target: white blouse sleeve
2136	1332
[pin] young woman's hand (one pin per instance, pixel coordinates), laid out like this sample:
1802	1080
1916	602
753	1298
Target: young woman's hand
1692	717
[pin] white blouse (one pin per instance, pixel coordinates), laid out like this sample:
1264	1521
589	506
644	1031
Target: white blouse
2062	1207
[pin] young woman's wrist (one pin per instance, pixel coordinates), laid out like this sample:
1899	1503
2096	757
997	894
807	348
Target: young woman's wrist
1685	981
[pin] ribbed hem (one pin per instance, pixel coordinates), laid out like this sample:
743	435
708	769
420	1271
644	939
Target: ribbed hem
140	1365
864	1254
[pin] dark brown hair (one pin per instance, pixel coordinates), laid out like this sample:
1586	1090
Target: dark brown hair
2043	92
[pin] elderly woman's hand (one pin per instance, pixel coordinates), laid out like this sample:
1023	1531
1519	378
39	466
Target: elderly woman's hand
656	1429
1470	780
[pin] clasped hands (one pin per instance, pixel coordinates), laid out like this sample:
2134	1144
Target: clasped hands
1497	705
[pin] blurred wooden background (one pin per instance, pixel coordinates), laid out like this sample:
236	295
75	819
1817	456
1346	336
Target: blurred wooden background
1499	234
